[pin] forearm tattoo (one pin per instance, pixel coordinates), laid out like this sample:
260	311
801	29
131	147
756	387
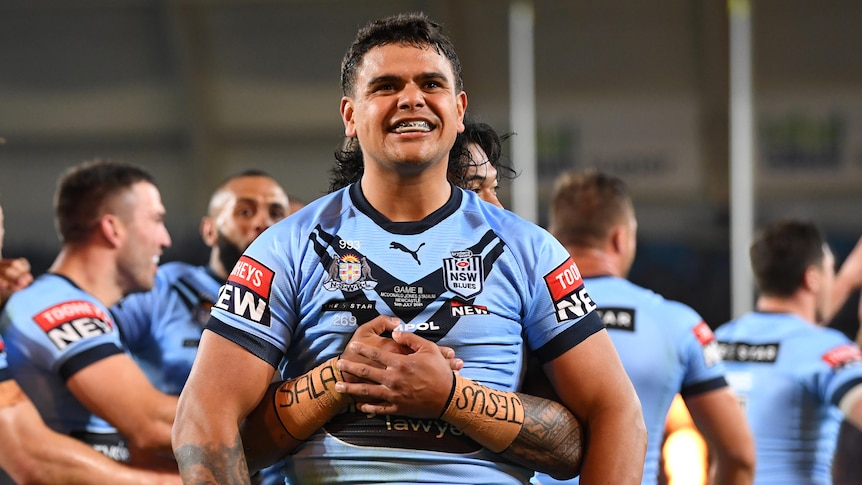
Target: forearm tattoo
213	464
551	438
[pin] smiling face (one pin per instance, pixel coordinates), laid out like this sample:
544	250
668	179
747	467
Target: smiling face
142	216
405	110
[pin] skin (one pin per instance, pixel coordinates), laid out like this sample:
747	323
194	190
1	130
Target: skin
239	212
404	179
14	273
715	413
120	256
482	176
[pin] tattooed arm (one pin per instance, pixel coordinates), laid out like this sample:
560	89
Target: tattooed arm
534	432
225	384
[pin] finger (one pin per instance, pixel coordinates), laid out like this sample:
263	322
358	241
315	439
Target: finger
362	370
380	355
415	342
378	325
376	408
363	392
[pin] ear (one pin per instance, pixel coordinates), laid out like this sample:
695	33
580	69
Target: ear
619	238
461	102
209	233
347	112
112	229
812	278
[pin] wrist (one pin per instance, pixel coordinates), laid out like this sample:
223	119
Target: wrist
490	417
305	404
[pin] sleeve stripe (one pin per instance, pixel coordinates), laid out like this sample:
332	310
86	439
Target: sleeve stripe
704	386
839	393
570	337
256	345
87	357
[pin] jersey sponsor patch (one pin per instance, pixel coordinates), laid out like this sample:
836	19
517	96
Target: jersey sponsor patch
73	321
463	275
246	292
618	318
841	356
567	290
462	310
704	335
745	352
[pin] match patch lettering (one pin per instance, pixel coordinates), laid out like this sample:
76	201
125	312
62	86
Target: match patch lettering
838	357
253	275
246	292
73	321
618	318
744	352
567	290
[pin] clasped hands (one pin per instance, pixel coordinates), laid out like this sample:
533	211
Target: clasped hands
406	374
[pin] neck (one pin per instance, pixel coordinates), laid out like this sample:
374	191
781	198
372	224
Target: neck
594	262
406	198
796	305
92	269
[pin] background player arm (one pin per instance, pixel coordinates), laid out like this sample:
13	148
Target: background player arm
32	453
117	390
851	406
591	381
847	280
226	383
721	422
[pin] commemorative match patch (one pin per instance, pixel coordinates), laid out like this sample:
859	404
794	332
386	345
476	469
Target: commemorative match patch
246	292
73	321
567	290
842	355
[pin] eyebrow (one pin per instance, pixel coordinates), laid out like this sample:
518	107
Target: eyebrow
389	78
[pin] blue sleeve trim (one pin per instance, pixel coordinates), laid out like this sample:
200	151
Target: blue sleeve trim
841	391
704	386
570	337
87	357
5	375
259	347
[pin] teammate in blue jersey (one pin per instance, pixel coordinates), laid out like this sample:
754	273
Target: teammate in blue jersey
14	272
457	273
62	345
793	378
162	327
30	451
665	346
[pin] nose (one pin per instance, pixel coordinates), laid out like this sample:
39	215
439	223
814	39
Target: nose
166	241
412	97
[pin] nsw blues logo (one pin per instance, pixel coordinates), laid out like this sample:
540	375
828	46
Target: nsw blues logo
462	274
349	273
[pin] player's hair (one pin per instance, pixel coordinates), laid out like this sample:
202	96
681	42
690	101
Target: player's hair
782	252
585	206
407	29
84	192
482	134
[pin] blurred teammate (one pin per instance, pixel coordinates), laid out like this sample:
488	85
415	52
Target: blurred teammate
32	453
792	378
665	346
61	342
14	273
453	269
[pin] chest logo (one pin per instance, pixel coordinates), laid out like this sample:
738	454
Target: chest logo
462	274
349	273
399	246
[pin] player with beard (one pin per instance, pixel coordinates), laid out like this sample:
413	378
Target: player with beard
162	327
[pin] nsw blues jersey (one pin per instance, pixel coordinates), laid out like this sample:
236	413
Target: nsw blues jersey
665	347
52	330
162	327
469	276
789	375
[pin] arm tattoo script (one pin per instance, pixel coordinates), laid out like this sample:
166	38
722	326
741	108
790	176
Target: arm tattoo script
213	465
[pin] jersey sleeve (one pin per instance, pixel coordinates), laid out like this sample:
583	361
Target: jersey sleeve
560	313
5	374
254	308
839	368
704	370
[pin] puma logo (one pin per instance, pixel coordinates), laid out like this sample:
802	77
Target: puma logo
397	245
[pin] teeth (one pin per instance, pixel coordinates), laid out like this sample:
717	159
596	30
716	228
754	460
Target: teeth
156	260
412	126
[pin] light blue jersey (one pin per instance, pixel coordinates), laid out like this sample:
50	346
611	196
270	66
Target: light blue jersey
52	330
789	375
162	327
470	276
665	347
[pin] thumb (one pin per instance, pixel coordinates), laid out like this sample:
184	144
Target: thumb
415	342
